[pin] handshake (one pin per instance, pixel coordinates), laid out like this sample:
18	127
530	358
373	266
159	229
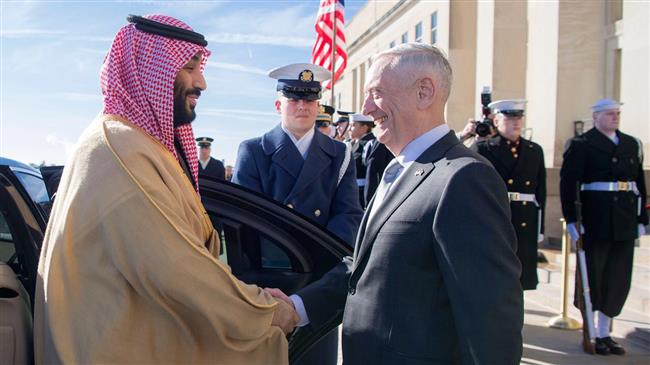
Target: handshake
285	315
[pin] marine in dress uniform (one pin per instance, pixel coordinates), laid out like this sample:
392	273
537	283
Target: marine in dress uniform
324	121
303	169
520	163
209	166
360	137
605	166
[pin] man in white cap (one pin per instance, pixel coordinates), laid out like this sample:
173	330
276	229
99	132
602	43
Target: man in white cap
604	164
304	169
520	163
360	141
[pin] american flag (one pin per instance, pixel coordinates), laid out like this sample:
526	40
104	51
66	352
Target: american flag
322	52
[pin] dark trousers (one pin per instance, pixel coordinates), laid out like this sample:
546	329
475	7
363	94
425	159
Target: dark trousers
324	352
362	200
609	268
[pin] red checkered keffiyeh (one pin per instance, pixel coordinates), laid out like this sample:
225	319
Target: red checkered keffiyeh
137	81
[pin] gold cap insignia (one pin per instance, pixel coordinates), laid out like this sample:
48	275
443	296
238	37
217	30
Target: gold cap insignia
306	76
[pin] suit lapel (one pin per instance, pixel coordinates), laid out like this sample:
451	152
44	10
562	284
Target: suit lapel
409	180
282	150
317	161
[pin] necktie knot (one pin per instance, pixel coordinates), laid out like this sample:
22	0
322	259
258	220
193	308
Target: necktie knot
392	171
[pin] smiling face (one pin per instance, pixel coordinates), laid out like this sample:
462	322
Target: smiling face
187	89
390	101
298	116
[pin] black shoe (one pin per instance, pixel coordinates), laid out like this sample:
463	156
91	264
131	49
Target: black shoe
601	347
613	346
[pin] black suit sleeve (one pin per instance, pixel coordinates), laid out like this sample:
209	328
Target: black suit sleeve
571	174
325	298
475	244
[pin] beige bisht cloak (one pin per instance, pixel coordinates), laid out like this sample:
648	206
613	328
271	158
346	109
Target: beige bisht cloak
125	275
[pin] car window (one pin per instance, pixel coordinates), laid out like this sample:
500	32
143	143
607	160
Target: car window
7	247
273	256
36	189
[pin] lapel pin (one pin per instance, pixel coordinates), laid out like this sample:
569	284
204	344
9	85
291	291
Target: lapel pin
419	172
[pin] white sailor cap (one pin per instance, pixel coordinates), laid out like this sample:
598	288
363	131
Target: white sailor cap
360	118
605	104
509	107
300	80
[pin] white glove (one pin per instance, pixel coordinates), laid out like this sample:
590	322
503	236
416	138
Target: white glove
573	231
540	237
641	229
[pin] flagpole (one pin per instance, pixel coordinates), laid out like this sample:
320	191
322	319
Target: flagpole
333	51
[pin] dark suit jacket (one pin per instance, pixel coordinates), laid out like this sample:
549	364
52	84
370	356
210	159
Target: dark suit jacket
593	157
435	278
272	165
375	163
214	168
525	174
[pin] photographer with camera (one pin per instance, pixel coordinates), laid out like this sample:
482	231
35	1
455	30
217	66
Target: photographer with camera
479	129
520	163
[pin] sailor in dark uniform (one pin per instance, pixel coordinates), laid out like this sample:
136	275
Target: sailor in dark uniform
324	121
305	170
342	124
360	136
209	166
605	165
520	163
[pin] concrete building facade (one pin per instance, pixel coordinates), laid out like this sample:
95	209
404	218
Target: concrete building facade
561	55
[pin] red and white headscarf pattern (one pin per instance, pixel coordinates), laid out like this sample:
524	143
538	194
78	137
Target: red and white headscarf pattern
137	80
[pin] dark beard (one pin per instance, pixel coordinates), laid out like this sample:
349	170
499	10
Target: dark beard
183	113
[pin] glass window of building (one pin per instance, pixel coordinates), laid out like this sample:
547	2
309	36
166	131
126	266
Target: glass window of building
418	32
405	37
392	44
434	27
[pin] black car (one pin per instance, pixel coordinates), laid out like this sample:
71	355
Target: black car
264	242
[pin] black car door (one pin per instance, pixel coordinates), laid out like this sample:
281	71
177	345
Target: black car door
24	210
268	244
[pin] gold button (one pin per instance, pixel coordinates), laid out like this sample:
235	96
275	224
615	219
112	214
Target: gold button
524	224
510	181
317	212
515	155
290	205
513	149
524	203
527	182
614	159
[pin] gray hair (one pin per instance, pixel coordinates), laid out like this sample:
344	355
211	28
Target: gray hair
421	59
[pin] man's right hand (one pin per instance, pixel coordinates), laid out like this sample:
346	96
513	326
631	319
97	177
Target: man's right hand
285	317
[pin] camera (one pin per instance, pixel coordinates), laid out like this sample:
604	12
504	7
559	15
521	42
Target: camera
485	126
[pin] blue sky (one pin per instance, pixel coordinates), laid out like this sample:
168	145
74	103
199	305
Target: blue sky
51	52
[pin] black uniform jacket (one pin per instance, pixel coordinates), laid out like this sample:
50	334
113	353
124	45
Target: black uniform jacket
357	154
525	174
593	157
377	159
214	168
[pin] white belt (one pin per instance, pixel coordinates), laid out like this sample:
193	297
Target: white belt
361	182
611	186
521	197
